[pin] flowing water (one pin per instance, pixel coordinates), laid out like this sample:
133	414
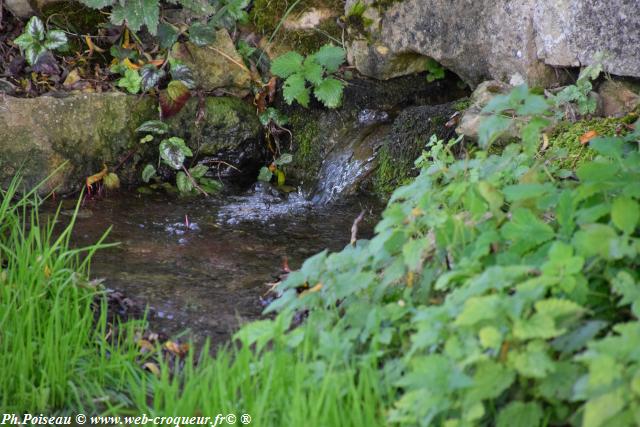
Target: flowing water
201	265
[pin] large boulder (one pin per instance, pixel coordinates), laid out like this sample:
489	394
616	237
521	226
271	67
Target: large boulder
39	135
507	40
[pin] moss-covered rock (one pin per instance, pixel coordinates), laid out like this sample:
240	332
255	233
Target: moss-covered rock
409	135
88	130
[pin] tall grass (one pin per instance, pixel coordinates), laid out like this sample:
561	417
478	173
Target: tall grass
55	356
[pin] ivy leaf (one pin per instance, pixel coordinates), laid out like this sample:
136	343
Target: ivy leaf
157	127
202	34
33	52
167	35
287	64
295	89
329	92
35	28
625	214
173	151
330	57
183	183
150	76
148	172
55	39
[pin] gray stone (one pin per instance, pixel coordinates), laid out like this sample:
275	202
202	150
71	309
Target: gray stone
618	98
26	8
507	40
473	115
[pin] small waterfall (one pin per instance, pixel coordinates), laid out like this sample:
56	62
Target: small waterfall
352	158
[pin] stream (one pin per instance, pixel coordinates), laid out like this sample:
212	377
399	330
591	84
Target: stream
202	265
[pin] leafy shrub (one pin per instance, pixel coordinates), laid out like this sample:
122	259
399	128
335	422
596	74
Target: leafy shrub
36	41
498	290
313	72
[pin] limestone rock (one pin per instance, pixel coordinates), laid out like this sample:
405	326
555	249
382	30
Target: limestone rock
507	40
618	99
215	66
26	8
473	115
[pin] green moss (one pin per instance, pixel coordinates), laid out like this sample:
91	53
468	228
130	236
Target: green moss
565	139
462	104
307	151
267	14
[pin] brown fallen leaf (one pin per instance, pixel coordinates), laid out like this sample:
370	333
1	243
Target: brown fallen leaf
177	349
588	136
145	345
152	367
72	78
316	288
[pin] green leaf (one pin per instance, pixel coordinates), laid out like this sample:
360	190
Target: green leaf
284	159
477	309
157	127
330	57
490	337
312	71
55	39
329	92
273	115
146	138
202	34
532	362
111	181
599	409
167	35
531	134
183	183
33	52
24	41
148	172
594	239
625	214
280	177
173	151
131	81
296	90
526	230
98	4
150	76
198	171
287	64
491	129
265	174
35	28
136	13
520	414
517	192
181	72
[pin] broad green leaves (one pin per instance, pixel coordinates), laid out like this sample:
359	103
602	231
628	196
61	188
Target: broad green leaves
35	41
302	75
131	81
173	151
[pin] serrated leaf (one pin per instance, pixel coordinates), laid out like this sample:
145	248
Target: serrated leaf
183	183
329	92
35	28
287	64
526	230
625	213
594	239
131	81
157	127
148	172
477	309
520	414
295	90
136	13
173	151
55	40
150	76
491	129
202	34
312	71
330	57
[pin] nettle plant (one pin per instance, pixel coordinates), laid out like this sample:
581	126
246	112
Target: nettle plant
315	73
173	152
499	289
35	42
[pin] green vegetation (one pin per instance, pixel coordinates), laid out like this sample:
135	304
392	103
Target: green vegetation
313	72
35	42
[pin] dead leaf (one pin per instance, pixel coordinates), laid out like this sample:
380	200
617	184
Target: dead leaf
152	367
177	349
588	136
316	288
96	177
545	141
72	78
145	345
